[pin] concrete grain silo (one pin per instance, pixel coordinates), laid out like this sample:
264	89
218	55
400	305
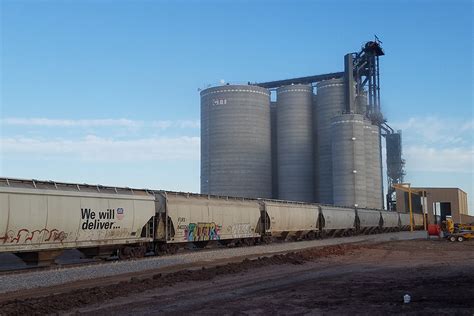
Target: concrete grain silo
236	141
330	103
295	143
348	160
273	114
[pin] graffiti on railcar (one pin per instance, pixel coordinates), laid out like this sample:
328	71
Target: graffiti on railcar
201	231
241	230
23	236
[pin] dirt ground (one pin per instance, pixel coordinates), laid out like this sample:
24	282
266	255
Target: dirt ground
343	279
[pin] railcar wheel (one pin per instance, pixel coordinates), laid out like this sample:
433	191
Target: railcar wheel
172	249
248	242
200	244
132	252
452	238
224	243
124	253
267	239
460	238
160	249
164	249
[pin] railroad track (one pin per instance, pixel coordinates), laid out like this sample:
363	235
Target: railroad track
91	262
88	273
63	265
28	269
186	250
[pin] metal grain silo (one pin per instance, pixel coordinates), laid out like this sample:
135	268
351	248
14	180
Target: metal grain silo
273	114
295	143
373	165
361	103
369	163
377	168
236	141
348	160
315	148
330	103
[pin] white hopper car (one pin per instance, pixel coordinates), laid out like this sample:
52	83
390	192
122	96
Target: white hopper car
40	219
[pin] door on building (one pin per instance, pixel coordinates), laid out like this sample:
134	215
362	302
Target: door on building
445	210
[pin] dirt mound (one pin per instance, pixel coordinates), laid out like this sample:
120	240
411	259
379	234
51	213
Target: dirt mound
83	297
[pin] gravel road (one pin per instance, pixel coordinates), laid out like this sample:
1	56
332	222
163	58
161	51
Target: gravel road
371	280
29	280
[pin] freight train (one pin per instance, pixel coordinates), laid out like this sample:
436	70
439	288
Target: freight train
41	219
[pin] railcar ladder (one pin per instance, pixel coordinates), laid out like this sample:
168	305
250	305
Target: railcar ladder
151	227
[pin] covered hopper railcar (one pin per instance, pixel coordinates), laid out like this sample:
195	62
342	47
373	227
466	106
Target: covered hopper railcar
290	220
391	221
40	219
186	218
369	221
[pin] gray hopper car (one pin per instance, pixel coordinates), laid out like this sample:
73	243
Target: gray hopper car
40	219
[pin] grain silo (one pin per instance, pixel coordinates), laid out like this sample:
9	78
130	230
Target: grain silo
315	148
372	157
348	160
295	143
236	141
370	161
361	103
377	167
330	103
273	114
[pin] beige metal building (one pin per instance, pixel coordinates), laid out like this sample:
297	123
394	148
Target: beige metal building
441	202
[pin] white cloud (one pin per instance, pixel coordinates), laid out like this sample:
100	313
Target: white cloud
162	124
45	122
437	131
191	124
103	149
437	144
121	122
452	159
468	126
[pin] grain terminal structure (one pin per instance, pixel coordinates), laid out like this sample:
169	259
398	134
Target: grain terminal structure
317	140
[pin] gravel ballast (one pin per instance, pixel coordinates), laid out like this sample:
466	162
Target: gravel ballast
58	276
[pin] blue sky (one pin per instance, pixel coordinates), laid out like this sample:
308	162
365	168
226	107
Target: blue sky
106	91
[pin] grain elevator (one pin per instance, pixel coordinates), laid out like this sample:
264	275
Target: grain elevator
319	139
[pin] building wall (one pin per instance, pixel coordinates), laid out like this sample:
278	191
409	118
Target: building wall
467	219
402	202
462	202
455	196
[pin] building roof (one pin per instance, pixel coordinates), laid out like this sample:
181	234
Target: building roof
437	188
